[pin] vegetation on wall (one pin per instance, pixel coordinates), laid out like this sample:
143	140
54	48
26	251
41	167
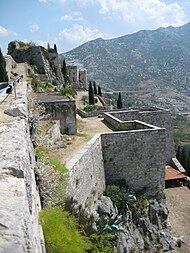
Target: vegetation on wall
39	86
61	233
68	92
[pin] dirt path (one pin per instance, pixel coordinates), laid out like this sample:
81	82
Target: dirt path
87	128
178	202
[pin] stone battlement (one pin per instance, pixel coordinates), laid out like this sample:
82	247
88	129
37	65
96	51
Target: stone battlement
136	154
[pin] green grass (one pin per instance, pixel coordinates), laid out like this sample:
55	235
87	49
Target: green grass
61	233
44	153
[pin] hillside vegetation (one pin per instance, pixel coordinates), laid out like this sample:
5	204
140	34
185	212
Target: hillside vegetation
143	60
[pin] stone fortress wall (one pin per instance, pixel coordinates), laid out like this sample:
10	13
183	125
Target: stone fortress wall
136	155
152	115
20	230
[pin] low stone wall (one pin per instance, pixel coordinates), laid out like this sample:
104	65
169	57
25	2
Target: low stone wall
96	113
20	230
137	157
86	174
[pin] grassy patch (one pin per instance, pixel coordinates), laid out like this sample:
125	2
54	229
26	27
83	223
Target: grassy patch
60	232
44	153
57	165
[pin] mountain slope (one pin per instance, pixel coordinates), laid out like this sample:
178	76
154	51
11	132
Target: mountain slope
143	60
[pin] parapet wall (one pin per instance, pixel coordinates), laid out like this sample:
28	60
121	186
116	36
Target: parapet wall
86	174
137	157
134	156
155	116
20	230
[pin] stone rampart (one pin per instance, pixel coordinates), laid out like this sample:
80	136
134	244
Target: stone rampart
155	116
137	157
86	174
20	230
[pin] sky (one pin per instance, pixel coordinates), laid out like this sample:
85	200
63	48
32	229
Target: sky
70	23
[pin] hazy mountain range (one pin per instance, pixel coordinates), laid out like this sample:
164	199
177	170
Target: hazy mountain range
157	59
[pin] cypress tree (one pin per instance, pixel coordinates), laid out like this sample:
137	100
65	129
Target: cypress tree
119	101
99	91
55	48
64	72
95	89
3	72
48	46
91	94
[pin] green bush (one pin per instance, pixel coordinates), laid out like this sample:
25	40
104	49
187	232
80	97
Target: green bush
68	91
101	243
61	233
121	197
91	108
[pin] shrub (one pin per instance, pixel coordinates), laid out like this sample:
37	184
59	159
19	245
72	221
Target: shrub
60	232
101	243
68	91
121	197
91	108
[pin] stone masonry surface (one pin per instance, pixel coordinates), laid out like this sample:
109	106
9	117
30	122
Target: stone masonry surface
20	230
62	109
136	156
87	179
156	116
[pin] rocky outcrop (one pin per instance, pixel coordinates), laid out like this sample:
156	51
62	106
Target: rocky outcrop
45	64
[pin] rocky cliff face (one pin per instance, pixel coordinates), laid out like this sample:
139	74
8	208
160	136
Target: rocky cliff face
147	60
45	63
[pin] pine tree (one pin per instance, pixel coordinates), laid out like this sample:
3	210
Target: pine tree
119	101
99	91
91	94
95	89
3	72
55	48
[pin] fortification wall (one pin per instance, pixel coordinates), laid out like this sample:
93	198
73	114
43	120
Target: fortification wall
86	174
20	230
136	156
154	116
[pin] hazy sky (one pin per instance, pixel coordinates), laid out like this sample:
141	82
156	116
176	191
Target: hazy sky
69	23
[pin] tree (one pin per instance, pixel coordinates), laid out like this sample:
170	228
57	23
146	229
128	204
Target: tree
95	89
48	46
119	101
99	91
64	72
90	94
55	48
3	72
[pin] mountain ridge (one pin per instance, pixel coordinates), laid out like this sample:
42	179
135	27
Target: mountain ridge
148	59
